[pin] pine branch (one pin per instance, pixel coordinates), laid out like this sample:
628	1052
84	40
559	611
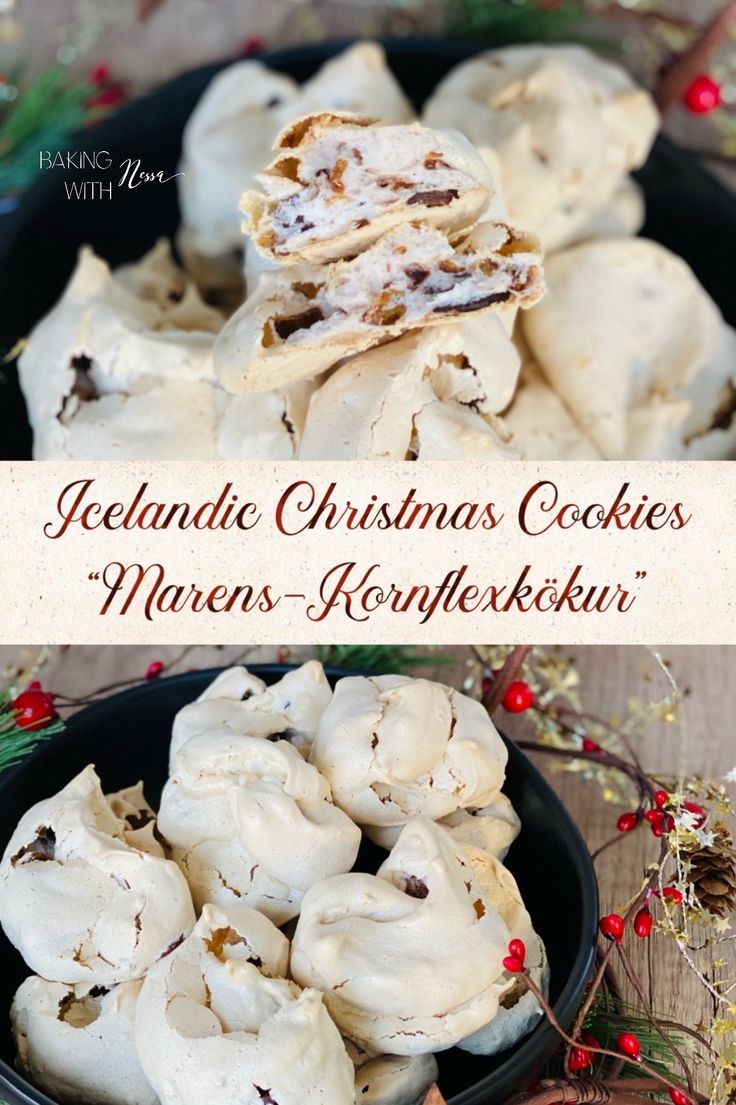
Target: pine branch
505	23
17	743
378	659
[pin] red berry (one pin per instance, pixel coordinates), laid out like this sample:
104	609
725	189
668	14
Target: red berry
627	822
98	74
33	709
643	923
579	1059
661	798
513	964
486	682
518	698
654	817
672	894
517	948
112	96
590	746
629	1045
703	96
154	669
698	812
678	1097
612	927
252	45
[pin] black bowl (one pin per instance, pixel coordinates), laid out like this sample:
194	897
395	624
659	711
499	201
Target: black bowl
688	210
127	738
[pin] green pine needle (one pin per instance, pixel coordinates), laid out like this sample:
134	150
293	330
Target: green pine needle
503	22
378	659
45	114
605	1022
17	743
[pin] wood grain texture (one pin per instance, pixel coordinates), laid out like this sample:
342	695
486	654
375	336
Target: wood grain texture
609	677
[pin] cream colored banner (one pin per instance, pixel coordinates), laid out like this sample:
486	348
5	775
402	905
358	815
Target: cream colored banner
411	553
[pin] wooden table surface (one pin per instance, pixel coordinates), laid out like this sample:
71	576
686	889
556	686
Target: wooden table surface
609	676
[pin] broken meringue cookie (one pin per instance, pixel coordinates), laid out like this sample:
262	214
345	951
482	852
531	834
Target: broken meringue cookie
218	813
391	1079
637	351
76	1043
339	182
78	901
377	945
392	748
230	135
424	396
218	1022
240	702
301	320
566	125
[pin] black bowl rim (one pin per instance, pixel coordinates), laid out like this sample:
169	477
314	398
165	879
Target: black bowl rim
534	1046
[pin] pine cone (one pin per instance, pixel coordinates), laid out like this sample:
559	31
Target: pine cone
713	874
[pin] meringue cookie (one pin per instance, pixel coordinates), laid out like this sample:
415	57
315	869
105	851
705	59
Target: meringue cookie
637	351
301	320
114	367
217	1022
218	812
410	959
392	747
78	902
76	1042
226	140
518	1010
493	828
239	702
540	425
566	125
230	134
356	80
388	403
338	182
121	369
391	1079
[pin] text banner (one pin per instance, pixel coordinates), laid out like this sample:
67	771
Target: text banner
412	553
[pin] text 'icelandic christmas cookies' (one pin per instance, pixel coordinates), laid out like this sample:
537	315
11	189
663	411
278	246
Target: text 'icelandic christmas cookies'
361	553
